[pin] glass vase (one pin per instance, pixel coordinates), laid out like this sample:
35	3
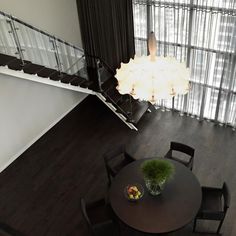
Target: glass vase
154	188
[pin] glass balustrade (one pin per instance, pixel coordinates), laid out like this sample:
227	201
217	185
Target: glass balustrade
30	44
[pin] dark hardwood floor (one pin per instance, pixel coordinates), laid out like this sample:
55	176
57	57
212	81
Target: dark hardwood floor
40	191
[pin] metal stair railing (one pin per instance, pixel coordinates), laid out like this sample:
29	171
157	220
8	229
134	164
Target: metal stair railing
29	43
100	63
127	114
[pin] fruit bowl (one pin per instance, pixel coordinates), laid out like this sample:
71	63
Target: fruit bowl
134	192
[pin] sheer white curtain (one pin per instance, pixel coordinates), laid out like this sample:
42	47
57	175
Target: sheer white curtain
202	33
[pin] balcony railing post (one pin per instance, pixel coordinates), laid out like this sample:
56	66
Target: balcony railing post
56	54
98	74
16	39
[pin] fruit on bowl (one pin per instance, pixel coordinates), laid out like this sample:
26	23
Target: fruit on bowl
134	192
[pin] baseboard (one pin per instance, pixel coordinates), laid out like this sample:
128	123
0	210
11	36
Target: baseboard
13	158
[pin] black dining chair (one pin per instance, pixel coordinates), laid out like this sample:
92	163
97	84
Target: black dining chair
7	230
115	160
182	153
215	203
98	217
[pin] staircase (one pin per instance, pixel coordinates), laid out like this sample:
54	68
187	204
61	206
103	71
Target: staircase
29	53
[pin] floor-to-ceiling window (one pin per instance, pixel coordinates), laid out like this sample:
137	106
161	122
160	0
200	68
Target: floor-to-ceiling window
203	34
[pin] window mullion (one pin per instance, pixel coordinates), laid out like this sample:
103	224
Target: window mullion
189	48
149	21
226	115
190	26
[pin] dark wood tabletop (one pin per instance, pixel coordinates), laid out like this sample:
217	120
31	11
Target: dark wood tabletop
174	208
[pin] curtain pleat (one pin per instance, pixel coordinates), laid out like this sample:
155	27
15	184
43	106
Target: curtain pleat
107	30
203	34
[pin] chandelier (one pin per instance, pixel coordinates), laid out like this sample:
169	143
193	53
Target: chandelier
151	78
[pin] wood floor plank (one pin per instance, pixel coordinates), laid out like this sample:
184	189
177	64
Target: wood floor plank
40	191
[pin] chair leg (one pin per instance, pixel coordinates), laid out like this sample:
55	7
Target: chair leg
108	177
191	165
109	180
194	224
219	227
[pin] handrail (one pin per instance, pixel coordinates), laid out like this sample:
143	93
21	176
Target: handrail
71	66
12	20
56	38
103	62
39	30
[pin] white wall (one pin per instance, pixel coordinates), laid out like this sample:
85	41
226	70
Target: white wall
57	17
27	110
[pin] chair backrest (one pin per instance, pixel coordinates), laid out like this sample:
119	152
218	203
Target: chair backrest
113	153
182	148
6	230
108	158
117	156
85	215
227	197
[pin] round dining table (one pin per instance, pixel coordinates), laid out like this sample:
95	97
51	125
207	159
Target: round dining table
175	207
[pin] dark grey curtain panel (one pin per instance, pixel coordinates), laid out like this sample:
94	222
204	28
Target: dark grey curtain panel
107	29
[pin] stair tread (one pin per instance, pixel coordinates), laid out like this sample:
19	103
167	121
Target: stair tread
125	106
46	72
5	59
81	82
32	68
56	76
110	83
87	84
113	95
78	81
137	110
75	80
67	78
17	64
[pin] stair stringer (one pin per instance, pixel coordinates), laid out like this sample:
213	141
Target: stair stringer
22	75
122	117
